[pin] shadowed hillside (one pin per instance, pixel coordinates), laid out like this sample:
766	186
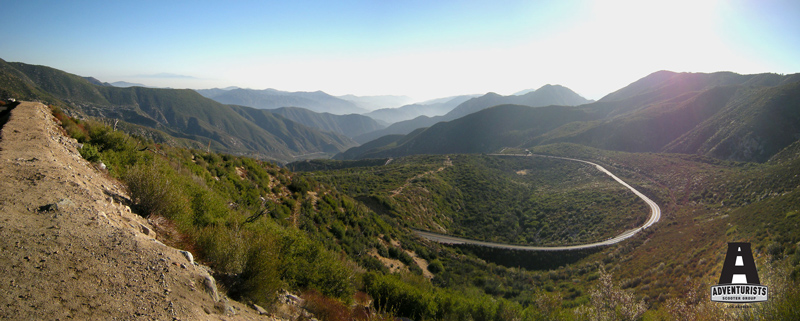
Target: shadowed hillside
723	115
181	113
545	96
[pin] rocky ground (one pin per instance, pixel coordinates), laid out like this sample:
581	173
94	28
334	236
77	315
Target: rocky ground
70	249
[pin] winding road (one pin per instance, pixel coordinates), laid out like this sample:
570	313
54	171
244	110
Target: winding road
655	216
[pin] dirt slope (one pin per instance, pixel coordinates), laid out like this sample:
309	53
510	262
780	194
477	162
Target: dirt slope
70	250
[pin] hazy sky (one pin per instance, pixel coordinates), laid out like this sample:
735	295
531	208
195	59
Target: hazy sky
424	49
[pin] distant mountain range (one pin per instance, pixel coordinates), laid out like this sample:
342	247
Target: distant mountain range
723	115
95	81
377	102
349	125
177	116
317	101
544	96
126	84
432	108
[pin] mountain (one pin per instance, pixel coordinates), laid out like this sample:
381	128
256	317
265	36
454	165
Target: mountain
522	92
377	102
430	108
183	115
485	131
348	125
721	115
544	96
126	84
754	125
95	81
317	101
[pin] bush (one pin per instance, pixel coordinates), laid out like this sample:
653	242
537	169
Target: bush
435	266
225	247
325	308
153	193
107	139
89	152
75	130
260	276
307	265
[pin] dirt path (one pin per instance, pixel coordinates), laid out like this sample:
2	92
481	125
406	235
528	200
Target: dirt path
70	250
397	191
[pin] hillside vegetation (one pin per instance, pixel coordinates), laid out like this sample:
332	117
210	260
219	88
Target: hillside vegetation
722	115
175	114
262	228
530	201
349	125
545	96
718	152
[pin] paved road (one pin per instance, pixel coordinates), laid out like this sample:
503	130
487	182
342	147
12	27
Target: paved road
655	215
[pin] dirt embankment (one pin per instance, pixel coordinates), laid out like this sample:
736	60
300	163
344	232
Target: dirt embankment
70	250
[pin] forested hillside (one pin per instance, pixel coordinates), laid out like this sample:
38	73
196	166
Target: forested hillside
722	115
177	115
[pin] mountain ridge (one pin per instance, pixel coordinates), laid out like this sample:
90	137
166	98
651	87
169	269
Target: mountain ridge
547	95
316	101
722	115
180	113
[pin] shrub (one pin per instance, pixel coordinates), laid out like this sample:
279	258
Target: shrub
325	308
260	276
75	130
153	192
435	266
90	153
225	247
307	265
610	302
107	139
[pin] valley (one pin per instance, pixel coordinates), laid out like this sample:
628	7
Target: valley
655	215
636	194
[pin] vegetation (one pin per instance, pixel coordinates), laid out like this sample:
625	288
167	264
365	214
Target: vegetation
534	201
262	228
177	114
341	232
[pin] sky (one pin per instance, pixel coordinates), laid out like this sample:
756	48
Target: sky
422	49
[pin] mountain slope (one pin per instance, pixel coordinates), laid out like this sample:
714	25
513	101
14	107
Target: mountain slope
349	125
544	96
691	113
180	113
754	127
485	131
432	108
377	102
722	115
271	99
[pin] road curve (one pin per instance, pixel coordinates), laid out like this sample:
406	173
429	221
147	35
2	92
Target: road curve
655	216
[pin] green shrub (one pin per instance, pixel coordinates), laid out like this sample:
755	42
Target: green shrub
89	152
225	247
435	266
107	139
307	265
153	192
260	276
208	207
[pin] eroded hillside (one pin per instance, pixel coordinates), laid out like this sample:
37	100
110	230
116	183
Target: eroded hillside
71	250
